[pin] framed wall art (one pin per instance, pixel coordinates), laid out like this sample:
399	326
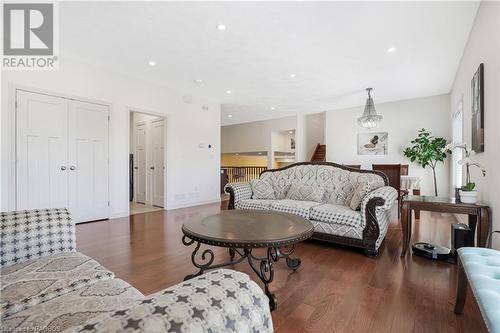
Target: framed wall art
373	143
477	108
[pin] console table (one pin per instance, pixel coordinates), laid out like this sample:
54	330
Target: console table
479	216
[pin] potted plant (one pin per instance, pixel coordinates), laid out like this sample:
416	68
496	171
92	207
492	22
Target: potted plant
468	192
427	150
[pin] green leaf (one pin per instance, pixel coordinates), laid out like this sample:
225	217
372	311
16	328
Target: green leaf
426	149
469	187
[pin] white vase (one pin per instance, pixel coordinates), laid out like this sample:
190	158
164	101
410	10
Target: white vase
469	197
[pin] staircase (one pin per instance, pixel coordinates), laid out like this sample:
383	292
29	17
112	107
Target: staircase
319	154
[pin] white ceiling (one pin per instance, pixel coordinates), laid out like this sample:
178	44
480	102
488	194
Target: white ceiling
336	49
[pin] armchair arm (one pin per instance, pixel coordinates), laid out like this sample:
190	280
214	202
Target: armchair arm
31	234
237	192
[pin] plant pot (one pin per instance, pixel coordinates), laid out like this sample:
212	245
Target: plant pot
469	197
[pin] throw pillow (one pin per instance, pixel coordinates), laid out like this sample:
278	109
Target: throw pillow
359	193
304	192
262	190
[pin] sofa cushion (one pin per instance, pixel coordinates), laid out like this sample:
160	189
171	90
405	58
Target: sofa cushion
359	193
482	267
262	190
36	281
339	214
217	301
255	204
338	229
76	307
300	208
303	192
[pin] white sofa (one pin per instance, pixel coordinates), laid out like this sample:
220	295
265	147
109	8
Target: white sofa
333	218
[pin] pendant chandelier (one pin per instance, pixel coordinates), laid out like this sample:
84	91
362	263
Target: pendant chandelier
370	118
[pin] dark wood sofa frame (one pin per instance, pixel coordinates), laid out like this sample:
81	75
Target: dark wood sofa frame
371	231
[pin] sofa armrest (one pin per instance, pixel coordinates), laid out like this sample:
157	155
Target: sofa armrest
31	234
238	192
376	201
388	194
217	301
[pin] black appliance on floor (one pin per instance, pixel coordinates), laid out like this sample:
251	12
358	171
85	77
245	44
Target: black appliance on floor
461	236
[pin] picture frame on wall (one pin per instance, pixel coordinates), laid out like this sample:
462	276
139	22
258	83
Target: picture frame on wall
374	143
477	109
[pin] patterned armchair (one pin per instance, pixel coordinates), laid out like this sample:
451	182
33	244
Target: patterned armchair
32	234
332	214
46	285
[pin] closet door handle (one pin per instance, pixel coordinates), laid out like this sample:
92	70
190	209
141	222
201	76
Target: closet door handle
72	167
63	167
136	168
152	168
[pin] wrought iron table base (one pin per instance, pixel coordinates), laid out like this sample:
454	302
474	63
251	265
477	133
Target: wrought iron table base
261	265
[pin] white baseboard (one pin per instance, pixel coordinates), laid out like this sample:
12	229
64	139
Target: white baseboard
192	204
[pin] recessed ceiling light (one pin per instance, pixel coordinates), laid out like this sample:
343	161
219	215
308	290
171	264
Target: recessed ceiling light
290	132
260	153
230	116
229	92
391	49
152	63
221	27
293	75
273	108
198	81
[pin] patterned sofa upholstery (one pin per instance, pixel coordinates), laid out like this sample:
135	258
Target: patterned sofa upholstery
333	219
47	286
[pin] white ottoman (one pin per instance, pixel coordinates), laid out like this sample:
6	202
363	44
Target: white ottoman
480	267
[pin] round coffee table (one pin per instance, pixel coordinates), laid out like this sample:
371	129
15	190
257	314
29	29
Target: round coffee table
242	231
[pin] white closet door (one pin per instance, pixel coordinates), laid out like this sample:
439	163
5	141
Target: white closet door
42	151
140	163
158	161
88	161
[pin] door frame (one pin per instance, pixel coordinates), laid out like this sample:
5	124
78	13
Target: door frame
134	149
9	139
130	110
163	123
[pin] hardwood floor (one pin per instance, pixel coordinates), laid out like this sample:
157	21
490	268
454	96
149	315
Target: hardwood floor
337	289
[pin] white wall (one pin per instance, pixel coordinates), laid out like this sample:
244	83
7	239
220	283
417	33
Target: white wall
253	136
258	135
483	47
401	120
192	172
282	141
315	132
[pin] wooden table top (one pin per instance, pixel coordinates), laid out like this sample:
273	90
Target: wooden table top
439	200
248	228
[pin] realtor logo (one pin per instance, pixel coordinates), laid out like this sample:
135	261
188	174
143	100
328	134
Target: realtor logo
29	36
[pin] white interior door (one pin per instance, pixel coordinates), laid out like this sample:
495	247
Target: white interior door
42	151
88	161
158	162
140	163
